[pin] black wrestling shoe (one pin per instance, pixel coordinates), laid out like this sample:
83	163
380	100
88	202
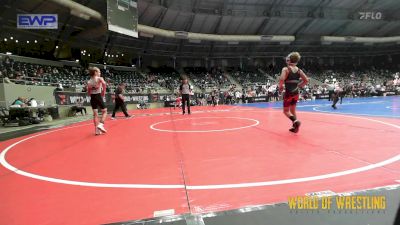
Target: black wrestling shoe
292	129
296	126
334	107
183	113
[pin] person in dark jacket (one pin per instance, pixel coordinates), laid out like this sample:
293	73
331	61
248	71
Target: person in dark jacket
120	101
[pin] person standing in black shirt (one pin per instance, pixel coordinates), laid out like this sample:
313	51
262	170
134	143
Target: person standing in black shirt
336	96
119	101
213	100
185	90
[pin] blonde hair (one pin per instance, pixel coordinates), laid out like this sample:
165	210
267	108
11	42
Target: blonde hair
92	70
294	57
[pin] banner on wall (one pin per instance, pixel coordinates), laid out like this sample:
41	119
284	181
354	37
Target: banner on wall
74	98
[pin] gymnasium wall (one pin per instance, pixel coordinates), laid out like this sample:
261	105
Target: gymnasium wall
10	92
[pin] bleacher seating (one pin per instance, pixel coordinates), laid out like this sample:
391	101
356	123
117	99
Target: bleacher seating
208	79
364	82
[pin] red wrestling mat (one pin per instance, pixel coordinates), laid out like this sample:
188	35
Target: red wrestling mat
228	157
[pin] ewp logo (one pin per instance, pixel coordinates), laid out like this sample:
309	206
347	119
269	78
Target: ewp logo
37	21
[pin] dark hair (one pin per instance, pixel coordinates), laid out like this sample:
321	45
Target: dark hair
92	70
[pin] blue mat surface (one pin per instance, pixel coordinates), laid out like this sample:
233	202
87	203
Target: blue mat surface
372	106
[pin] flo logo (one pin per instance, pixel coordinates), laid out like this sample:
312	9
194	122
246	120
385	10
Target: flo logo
370	15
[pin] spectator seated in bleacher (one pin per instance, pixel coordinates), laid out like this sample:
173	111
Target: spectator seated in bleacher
60	87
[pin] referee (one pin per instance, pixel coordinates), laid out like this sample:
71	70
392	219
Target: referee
120	101
213	100
185	90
